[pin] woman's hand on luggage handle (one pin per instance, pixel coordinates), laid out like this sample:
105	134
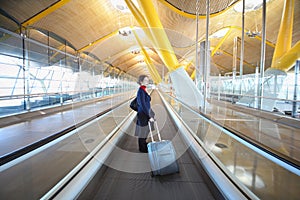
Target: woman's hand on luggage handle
151	119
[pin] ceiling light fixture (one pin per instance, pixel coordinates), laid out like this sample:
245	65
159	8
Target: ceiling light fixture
135	51
250	5
125	31
122	6
252	34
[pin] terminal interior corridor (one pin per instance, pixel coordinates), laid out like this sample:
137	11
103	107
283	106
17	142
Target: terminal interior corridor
128	171
223	77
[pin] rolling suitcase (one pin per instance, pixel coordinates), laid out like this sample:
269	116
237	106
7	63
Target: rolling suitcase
162	155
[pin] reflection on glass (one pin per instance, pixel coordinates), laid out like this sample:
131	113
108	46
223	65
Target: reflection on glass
47	77
246	167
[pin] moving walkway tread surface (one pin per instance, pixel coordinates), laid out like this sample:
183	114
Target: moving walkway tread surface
118	182
36	173
20	138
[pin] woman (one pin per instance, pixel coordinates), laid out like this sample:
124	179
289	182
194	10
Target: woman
144	113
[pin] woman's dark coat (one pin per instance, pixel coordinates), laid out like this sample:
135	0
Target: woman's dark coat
144	113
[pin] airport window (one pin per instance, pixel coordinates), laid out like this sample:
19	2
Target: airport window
37	76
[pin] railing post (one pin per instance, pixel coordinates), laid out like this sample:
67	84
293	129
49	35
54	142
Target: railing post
262	56
79	78
219	87
294	111
234	81
26	67
242	47
94	83
197	67
207	55
256	91
61	84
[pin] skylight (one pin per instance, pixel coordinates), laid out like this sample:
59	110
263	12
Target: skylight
220	33
250	5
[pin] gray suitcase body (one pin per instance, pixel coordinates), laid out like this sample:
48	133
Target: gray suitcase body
162	155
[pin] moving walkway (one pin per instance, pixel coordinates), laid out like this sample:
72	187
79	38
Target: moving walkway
100	160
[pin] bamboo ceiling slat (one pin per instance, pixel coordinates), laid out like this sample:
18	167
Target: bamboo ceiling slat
85	21
189	6
296	28
8	24
23	10
82	22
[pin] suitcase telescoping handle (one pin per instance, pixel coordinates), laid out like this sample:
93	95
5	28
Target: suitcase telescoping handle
156	126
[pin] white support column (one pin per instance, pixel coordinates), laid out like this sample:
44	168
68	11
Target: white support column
197	67
263	55
207	55
200	73
242	47
234	62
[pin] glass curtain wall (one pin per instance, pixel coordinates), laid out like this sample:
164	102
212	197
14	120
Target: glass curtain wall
34	75
253	82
